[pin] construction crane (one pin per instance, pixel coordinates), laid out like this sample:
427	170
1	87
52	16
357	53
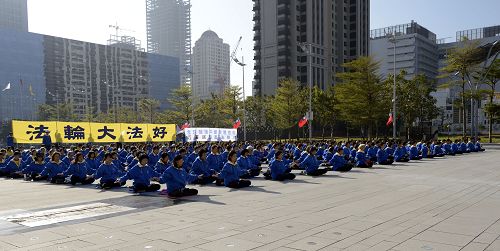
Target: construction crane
233	55
118	28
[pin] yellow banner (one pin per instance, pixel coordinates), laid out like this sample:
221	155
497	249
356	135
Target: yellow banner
31	132
161	133
73	132
105	133
134	133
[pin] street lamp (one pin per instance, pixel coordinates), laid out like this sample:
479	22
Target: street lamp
242	64
476	115
307	48
394	94
191	73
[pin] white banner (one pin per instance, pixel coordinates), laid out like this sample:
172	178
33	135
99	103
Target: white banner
210	134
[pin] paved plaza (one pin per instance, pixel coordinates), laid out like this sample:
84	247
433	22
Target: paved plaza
441	204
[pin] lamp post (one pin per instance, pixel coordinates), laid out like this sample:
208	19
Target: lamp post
307	48
394	94
476	115
242	64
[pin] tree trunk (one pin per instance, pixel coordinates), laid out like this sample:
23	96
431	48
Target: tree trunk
323	133
490	118
464	112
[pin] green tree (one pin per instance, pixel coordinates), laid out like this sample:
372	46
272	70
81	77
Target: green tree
61	112
210	113
148	109
257	108
414	101
491	77
288	106
362	98
324	107
232	103
462	61
182	105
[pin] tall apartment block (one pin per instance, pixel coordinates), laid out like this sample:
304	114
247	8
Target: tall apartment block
416	50
211	62
337	30
14	15
169	31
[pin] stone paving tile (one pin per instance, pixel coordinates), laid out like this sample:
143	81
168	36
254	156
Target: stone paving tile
444	238
230	243
425	245
437	204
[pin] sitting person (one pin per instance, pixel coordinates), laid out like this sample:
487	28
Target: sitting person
162	164
278	170
200	168
372	153
426	152
479	148
14	168
438	151
176	178
311	165
54	170
108	173
77	171
142	174
382	157
361	160
247	167
339	163
414	154
231	173
33	170
400	154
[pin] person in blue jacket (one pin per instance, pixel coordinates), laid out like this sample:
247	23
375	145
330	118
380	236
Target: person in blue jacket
246	166
162	164
339	163
471	147
400	154
14	168
372	152
154	156
479	148
77	171
214	159
328	155
10	140
438	151
54	170
108	174
33	170
414	154
426	153
202	169
311	165
46	140
278	169
91	162
231	173
382	157
455	148
361	159
142	174
176	178
463	147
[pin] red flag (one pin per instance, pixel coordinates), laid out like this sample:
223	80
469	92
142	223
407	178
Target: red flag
390	120
237	124
302	122
186	125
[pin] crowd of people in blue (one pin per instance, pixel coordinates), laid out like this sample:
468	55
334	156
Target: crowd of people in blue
224	164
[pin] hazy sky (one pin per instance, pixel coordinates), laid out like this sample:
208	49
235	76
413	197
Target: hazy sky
88	20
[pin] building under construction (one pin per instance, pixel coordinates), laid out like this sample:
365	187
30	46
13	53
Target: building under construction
169	31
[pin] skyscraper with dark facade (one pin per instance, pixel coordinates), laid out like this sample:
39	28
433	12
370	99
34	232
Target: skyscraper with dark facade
338	31
14	15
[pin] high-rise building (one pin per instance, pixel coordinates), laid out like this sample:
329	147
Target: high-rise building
211	68
447	98
416	50
92	78
169	31
337	30
14	14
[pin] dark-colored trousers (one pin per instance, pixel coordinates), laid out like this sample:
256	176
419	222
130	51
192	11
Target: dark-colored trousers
83	180
111	184
144	188
58	179
386	162
317	172
239	184
204	180
183	193
346	168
